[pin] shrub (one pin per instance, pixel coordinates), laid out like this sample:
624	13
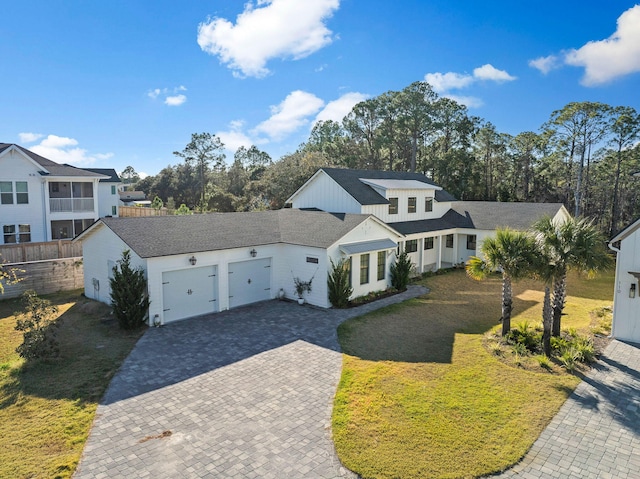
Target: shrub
400	272
543	361
338	284
585	351
39	327
129	293
568	359
526	335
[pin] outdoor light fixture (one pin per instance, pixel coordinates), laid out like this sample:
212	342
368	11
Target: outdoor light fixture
253	253
193	260
632	290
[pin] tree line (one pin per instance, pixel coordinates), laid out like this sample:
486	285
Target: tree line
583	156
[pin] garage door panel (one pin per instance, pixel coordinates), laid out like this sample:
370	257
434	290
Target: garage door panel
249	282
189	292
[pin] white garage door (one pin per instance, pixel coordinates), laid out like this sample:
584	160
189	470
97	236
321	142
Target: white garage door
249	281
189	292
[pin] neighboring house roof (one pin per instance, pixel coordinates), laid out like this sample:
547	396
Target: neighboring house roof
110	172
155	236
490	215
51	168
350	181
132	195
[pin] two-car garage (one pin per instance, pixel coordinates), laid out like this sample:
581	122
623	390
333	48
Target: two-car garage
195	291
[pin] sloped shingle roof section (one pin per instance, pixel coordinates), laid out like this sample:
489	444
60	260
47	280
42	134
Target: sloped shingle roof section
451	219
490	215
155	236
52	168
364	194
110	172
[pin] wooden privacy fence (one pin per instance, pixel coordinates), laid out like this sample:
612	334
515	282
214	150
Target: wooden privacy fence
142	211
46	277
20	253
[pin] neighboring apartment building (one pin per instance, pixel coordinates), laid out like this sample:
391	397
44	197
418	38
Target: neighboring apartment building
108	189
41	200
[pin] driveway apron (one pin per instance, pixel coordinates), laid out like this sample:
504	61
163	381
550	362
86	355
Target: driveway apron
245	393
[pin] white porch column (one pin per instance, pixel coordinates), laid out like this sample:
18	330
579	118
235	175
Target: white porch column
456	253
439	257
421	255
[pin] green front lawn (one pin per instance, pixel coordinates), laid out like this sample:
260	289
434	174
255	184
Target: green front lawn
420	395
46	409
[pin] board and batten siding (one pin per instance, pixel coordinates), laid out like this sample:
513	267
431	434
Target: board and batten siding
101	250
324	193
382	211
15	167
626	310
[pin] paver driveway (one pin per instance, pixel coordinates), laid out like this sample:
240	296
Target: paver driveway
245	393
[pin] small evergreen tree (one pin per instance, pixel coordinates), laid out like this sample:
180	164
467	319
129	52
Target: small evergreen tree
157	203
183	210
338	284
39	328
129	293
400	272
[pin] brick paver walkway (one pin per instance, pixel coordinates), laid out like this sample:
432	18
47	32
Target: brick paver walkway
596	433
240	394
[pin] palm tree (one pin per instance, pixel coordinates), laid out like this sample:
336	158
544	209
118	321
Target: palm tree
573	244
512	253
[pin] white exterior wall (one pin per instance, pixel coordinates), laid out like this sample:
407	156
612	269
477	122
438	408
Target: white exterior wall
382	211
106	200
626	311
15	167
294	264
325	194
100	248
370	230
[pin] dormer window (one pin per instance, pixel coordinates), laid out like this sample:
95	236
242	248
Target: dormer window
393	206
428	205
412	204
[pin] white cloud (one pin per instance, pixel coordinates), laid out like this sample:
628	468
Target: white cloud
290	115
545	64
29	137
468	101
442	82
65	150
489	72
176	100
234	138
265	30
172	96
336	110
618	55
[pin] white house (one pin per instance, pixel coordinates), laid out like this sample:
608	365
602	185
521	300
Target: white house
41	200
108	189
199	264
438	231
626	296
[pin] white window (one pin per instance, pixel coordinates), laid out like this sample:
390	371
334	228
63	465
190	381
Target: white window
9	233
393	206
24	233
412	204
22	193
12	234
113	189
428	243
428	205
6	193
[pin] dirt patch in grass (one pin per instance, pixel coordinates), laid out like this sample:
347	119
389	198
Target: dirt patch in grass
46	408
420	396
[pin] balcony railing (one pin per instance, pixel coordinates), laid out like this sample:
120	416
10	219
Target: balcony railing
65	205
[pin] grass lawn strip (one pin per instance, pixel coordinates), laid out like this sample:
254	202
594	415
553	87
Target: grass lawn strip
47	408
421	397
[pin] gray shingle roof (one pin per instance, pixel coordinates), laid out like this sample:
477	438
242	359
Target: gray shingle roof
451	219
110	172
155	236
365	194
54	169
489	215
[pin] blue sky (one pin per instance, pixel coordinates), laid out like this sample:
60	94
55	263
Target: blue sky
117	83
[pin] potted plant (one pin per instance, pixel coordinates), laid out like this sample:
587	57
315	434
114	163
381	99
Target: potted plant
301	288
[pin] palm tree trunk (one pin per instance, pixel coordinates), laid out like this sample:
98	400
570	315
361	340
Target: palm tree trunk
547	322
559	295
507	304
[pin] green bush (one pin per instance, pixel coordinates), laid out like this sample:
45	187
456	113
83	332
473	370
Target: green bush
338	284
400	272
39	328
129	293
